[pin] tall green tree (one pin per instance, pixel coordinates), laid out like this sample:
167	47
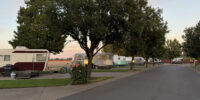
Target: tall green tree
173	49
130	45
153	36
39	27
191	44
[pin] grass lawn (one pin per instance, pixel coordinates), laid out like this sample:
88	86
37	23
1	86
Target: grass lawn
33	83
5	84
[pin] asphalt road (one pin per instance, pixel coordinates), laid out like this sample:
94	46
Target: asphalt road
172	82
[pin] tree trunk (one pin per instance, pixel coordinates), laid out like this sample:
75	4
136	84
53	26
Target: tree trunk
195	64
132	65
89	67
146	62
153	62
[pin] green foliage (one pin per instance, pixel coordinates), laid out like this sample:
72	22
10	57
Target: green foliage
91	23
111	48
173	49
78	75
191	45
145	32
153	35
39	27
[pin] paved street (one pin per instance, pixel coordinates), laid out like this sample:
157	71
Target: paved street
171	82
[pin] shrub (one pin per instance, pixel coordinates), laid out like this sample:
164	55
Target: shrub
78	74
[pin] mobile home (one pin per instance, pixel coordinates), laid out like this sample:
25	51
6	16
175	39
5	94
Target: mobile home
24	59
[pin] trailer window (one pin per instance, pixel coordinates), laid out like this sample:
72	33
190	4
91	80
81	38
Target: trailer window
41	57
7	58
1	58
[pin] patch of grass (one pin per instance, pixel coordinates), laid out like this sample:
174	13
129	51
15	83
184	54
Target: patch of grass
98	79
110	70
33	83
6	84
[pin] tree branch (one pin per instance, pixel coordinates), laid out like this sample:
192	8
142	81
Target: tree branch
99	49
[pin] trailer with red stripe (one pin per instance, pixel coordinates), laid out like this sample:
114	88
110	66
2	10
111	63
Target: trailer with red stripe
23	59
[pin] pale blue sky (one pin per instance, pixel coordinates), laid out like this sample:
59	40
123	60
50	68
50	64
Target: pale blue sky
178	13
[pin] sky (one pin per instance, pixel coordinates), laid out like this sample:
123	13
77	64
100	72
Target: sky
178	13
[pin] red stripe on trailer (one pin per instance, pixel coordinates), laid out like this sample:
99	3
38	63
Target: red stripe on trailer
1	69
23	66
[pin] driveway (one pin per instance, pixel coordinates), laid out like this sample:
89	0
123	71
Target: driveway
170	82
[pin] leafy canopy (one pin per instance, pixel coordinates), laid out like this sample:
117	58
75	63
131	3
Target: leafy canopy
39	27
173	49
191	44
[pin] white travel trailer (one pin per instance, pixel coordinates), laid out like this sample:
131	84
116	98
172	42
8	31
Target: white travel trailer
128	60
119	60
101	60
24	59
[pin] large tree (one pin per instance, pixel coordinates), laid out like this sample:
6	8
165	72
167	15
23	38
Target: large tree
191	44
130	45
145	35
39	27
93	23
153	36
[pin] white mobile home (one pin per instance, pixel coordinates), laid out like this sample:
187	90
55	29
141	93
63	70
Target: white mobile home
23	58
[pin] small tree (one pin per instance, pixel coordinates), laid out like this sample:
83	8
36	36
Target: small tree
173	49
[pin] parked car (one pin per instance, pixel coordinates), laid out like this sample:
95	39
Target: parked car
177	61
155	61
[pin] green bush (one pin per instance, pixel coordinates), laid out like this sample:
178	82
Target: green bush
78	74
